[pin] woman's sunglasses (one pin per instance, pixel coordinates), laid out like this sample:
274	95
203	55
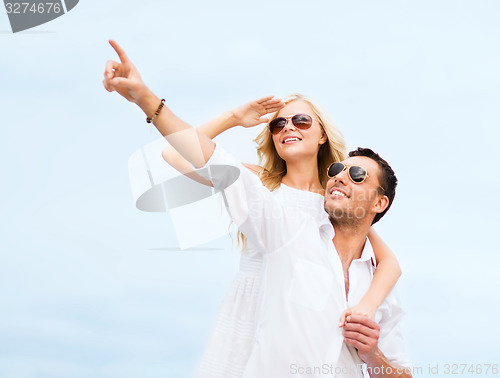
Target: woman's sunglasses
300	121
356	174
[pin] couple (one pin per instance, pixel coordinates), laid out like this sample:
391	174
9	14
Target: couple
305	266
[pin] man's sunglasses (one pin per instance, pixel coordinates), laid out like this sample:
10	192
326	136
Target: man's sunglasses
356	174
300	121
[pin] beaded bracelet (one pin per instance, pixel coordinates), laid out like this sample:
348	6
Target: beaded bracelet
149	120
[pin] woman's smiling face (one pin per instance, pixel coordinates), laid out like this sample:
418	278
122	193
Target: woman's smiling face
291	142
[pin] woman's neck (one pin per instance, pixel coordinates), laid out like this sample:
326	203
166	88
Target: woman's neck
303	175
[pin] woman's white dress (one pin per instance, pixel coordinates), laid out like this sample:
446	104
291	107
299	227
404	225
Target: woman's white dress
231	343
233	337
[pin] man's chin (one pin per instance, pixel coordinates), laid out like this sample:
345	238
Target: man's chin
344	216
336	212
334	208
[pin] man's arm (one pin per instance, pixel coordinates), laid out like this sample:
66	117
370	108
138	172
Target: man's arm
363	333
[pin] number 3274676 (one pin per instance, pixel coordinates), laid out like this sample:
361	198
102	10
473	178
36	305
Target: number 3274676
23	8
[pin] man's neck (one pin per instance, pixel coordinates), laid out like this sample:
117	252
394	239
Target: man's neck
349	241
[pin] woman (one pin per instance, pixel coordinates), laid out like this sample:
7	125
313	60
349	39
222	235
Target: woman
295	152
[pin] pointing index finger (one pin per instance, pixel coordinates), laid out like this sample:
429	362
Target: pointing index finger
121	53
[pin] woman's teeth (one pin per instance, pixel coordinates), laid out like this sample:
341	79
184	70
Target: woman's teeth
290	140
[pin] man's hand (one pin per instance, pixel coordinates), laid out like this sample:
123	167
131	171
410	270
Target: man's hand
362	333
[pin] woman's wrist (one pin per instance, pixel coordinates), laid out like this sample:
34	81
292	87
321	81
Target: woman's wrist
224	122
232	118
369	304
148	102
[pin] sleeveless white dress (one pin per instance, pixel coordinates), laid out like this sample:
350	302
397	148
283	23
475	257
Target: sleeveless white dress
233	338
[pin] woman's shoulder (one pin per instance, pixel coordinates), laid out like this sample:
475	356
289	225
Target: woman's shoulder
254	168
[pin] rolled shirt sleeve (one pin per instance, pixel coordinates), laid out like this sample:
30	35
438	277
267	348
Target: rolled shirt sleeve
391	341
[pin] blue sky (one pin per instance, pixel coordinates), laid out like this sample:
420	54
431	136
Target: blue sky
91	286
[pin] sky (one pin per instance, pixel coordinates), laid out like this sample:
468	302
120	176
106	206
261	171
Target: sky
91	286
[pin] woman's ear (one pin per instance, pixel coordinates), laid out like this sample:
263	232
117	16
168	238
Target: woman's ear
324	138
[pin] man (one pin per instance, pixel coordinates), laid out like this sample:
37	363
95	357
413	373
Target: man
359	193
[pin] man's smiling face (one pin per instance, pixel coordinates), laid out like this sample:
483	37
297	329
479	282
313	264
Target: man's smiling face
348	202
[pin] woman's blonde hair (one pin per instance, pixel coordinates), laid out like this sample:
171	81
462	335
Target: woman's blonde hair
274	167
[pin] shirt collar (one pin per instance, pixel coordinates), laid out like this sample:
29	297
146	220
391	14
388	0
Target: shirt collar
368	253
326	227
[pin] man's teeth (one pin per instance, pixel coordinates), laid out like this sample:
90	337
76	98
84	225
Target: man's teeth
338	193
291	140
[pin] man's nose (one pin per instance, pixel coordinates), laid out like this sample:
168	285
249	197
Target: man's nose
342	177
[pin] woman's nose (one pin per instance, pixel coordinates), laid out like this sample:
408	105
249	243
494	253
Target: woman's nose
289	125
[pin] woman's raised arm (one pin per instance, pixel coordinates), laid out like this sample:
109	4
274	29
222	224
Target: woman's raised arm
248	115
125	79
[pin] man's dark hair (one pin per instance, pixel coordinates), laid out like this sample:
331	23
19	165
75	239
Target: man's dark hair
387	178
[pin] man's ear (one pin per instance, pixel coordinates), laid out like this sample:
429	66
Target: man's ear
381	204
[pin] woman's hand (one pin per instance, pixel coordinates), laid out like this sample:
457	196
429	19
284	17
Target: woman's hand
253	113
123	77
359	309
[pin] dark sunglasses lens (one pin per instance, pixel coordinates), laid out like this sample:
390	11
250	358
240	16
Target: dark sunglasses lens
357	174
302	121
277	124
335	169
